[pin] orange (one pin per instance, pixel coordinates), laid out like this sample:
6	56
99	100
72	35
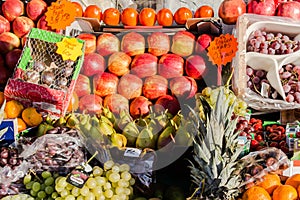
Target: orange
270	182
13	109
31	117
129	17
21	125
204	11
293	181
164	17
256	193
182	14
285	192
93	11
78	9
1	98
147	17
111	16
74	103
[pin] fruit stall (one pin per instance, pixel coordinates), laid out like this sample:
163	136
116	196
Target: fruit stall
149	100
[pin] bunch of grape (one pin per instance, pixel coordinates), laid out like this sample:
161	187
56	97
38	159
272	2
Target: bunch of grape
9	156
18	197
271	43
289	76
255	80
114	182
41	187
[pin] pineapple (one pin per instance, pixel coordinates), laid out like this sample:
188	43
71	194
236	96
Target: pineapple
216	149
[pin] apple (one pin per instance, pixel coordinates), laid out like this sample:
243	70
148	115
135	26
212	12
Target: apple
155	86
12	58
261	7
133	43
42	23
93	63
230	10
12	9
82	86
116	103
202	43
90	42
167	102
118	63
35	9
289	9
130	86
22	25
140	107
8	41
107	43
183	43
158	43
105	83
4	75
195	66
170	65
144	65
183	87
91	104
4	24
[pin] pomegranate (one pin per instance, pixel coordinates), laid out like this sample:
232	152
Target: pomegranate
261	7
130	86
289	9
12	9
167	102
116	103
140	107
35	9
22	25
91	104
82	86
230	10
93	64
4	24
105	83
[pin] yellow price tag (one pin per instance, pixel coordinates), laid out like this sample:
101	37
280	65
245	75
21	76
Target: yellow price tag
69	48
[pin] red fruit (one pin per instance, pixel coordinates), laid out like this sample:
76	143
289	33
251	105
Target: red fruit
4	75
90	42
281	128
254	144
167	102
91	104
107	43
12	58
203	42
170	66
158	43
140	107
155	86
261	7
82	86
289	9
12	9
282	144
183	43
35	9
42	24
243	133
118	63
8	42
230	10
253	120
22	25
144	65
259	148
259	138
195	66
130	86
257	127
183	87
105	83
116	103
273	144
4	24
133	44
93	64
277	2
298	134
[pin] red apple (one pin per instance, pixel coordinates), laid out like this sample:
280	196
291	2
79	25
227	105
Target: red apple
90	42
22	25
12	58
195	66
116	103
202	43
12	9
183	43
140	107
4	75
82	86
91	104
42	24
105	83
167	102
170	66
35	9
230	10
8	42
133	43
107	43
158	43
130	86
183	87
144	65
4	24
289	9
261	7
155	86
118	63
93	64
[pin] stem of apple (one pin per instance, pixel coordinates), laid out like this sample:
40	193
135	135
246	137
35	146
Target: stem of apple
219	80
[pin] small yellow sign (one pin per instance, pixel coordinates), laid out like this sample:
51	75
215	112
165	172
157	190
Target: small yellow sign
69	48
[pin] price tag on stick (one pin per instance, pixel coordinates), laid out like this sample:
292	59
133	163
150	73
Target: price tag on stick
69	48
221	51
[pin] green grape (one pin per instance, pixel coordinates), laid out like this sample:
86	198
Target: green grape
75	191
55	175
131	189
80	197
43	186
70	197
90	196
26	179
62	182
97	171
116	197
127	191
57	179
101	197
33	193
100	180
108	193
49	181
119	190
91	183
115	169
42	194
206	92
30	198
132	181
15	197
38	198
114	185
64	193
54	195
84	190
126	176
58	188
49	189
59	198
69	186
108	173
124	167
107	186
114	177
123	183
50	198
36	186
46	174
97	191
108	164
28	186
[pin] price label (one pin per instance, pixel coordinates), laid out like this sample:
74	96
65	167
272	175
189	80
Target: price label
222	49
69	48
132	152
60	14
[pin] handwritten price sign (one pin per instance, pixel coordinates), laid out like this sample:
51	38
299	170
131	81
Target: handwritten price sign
60	14
69	48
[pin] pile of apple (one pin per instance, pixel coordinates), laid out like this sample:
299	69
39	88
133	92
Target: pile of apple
134	71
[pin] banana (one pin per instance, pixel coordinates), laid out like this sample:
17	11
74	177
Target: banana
166	137
131	132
